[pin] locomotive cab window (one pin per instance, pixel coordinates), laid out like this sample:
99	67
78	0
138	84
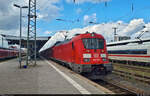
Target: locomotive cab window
93	43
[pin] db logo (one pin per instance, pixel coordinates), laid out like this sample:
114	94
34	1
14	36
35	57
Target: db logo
96	55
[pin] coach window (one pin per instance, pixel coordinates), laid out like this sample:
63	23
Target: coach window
141	51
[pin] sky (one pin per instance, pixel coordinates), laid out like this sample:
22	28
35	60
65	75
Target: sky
129	16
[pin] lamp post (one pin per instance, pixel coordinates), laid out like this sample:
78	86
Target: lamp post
20	29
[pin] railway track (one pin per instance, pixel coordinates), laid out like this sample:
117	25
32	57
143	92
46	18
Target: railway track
133	73
143	69
111	82
114	87
119	85
144	79
141	74
114	83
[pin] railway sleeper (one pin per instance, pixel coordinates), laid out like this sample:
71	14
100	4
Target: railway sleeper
143	69
130	76
128	88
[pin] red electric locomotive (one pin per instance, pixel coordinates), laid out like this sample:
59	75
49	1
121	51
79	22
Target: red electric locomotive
84	53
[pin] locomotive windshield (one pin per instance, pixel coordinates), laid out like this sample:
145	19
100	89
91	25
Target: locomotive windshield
93	43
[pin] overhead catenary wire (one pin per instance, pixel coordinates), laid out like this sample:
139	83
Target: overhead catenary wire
78	19
105	4
88	9
132	13
132	7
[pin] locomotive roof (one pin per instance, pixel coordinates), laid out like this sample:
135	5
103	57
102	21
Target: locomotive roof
62	42
59	38
67	40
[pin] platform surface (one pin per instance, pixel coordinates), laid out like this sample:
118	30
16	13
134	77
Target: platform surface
46	77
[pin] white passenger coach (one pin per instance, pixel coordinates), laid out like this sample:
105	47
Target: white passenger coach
136	51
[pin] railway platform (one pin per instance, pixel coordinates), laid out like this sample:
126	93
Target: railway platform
46	77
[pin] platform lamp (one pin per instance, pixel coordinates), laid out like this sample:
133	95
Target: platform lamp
20	29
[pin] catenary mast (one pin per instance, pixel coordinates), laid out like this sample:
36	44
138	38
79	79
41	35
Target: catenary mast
31	34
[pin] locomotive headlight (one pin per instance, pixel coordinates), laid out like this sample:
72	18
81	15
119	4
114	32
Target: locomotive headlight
103	55
86	55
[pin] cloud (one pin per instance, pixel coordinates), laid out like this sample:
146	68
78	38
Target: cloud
134	26
40	16
106	29
79	10
9	22
15	32
146	30
47	32
133	29
88	18
48	9
9	15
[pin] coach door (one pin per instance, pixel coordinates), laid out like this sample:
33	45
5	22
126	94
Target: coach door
73	53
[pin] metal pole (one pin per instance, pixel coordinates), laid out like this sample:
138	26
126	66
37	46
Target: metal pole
35	35
28	35
31	51
20	59
115	30
20	36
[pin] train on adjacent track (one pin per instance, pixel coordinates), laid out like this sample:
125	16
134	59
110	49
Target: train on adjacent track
136	52
6	53
84	53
